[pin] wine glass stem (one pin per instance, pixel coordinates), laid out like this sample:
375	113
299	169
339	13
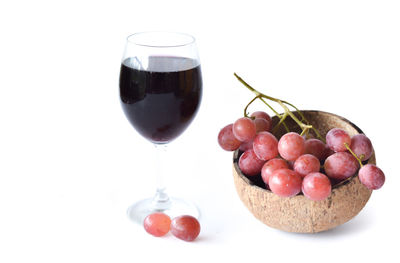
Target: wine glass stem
161	200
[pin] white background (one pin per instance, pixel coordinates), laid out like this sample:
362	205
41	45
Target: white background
70	163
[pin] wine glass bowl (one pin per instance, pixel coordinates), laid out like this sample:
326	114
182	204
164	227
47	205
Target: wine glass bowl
160	91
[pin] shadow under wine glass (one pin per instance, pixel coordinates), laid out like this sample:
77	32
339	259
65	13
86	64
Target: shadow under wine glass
160	91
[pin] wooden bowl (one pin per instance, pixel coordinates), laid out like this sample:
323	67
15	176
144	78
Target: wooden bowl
298	213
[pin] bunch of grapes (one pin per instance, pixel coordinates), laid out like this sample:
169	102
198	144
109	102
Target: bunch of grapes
292	164
295	164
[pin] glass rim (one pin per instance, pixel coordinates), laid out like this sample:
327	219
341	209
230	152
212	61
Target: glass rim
133	39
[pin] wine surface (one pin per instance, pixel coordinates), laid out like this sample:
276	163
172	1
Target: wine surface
160	99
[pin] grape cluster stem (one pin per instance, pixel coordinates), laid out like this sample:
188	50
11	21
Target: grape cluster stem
359	158
303	123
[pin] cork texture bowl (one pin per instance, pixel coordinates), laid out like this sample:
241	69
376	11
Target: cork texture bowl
299	214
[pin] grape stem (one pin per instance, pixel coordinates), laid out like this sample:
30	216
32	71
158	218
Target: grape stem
355	155
245	109
303	123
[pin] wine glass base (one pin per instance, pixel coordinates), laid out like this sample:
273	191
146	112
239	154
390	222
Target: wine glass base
173	207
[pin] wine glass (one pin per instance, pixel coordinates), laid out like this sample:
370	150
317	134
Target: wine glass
160	91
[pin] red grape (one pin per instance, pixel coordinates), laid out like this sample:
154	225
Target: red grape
291	164
185	227
361	145
316	186
336	138
249	163
262	125
315	147
271	166
244	129
328	152
157	224
371	176
246	145
291	146
262	115
285	182
265	146
341	165
227	139
306	164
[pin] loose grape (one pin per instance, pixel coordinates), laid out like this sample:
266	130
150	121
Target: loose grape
270	166
291	146
157	224
265	146
262	115
305	164
361	145
315	147
262	125
246	146
336	138
371	176
227	139
185	227
341	165
244	129
285	182
316	186
250	164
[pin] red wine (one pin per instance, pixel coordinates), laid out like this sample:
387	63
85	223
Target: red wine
161	100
